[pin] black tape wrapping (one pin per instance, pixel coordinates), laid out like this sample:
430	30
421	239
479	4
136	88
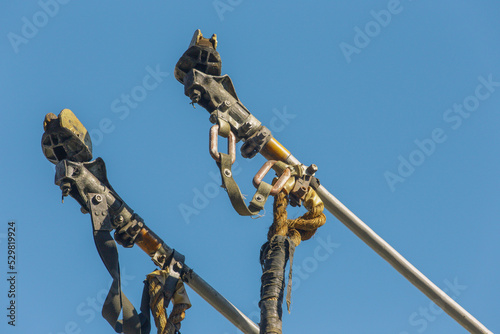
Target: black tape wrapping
274	256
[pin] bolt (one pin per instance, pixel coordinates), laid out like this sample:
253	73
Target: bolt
247	126
195	96
98	198
312	169
227	172
213	118
119	219
224	106
66	188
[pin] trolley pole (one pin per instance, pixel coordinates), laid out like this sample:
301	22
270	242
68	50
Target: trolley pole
199	70
386	251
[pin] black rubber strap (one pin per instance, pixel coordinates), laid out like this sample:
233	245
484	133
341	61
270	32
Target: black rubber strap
116	301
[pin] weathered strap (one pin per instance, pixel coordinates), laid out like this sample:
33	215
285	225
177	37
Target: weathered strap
234	193
291	252
159	302
116	300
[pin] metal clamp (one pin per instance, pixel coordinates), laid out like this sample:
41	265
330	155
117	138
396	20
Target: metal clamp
256	142
302	183
126	231
281	180
214	143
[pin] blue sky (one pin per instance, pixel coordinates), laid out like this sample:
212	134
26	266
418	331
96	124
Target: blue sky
397	102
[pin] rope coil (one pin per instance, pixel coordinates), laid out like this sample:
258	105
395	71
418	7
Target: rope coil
299	229
158	304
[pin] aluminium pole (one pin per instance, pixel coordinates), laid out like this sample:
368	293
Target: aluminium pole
152	244
274	150
221	304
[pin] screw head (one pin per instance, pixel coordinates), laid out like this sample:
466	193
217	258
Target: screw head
224	106
312	169
227	172
213	118
195	96
98	198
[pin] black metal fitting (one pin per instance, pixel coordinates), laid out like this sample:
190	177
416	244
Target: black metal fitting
302	184
201	55
217	95
255	143
125	234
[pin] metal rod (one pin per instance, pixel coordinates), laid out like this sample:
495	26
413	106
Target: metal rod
150	243
221	304
379	245
402	265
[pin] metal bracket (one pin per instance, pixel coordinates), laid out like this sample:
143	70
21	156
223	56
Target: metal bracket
281	180
256	142
302	184
214	141
99	212
176	264
126	235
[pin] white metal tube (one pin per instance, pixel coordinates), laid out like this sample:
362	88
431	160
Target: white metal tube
402	265
405	268
221	304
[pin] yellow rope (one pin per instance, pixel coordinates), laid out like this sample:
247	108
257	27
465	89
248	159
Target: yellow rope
302	228
157	303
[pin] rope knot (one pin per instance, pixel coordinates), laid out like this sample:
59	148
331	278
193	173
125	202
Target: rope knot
299	229
158	303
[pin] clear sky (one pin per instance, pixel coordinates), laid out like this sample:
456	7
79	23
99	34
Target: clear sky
397	102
